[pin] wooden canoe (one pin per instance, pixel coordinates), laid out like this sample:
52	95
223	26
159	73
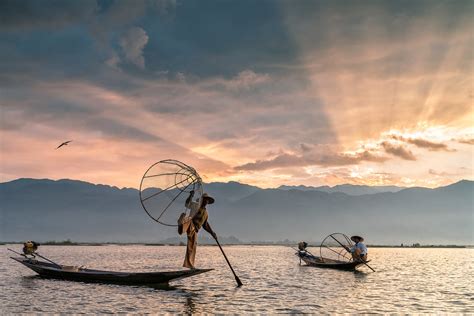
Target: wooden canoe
61	272
314	261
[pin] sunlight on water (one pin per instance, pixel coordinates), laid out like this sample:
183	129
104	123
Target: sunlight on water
407	280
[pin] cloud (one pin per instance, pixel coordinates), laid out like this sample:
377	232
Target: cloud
422	143
439	173
133	42
305	147
49	14
469	141
398	150
247	79
78	106
265	76
113	61
287	160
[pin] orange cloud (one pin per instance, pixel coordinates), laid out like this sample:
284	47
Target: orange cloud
398	150
422	143
311	159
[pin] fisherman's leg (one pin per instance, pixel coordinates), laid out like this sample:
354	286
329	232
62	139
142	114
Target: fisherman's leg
356	255
190	248
183	223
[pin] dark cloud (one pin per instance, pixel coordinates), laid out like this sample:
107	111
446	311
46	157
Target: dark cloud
330	159
305	148
394	19
226	38
72	39
398	150
55	14
467	141
49	14
54	107
422	143
263	116
120	131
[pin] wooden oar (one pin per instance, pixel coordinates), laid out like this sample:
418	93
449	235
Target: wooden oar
21	254
350	252
37	254
239	283
51	261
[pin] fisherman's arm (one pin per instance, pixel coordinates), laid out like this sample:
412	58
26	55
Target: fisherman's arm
189	200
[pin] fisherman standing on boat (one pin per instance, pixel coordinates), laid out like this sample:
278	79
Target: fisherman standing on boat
191	224
359	250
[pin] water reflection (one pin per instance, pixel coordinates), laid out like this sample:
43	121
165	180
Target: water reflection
190	305
361	275
30	282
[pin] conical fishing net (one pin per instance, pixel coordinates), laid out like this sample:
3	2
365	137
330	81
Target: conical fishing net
334	248
164	189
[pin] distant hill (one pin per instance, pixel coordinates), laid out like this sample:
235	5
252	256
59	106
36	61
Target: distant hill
349	189
230	191
43	209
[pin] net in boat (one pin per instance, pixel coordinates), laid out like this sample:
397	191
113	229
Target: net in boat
164	188
334	248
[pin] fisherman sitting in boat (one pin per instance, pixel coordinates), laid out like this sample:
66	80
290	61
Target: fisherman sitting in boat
359	250
192	223
30	247
302	245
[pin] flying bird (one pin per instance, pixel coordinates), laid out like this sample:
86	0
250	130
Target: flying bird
64	144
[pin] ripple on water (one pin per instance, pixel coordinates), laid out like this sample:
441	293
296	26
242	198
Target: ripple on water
429	280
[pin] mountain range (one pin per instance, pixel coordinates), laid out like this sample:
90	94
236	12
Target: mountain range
43	209
348	189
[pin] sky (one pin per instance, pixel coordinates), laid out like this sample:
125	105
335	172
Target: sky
267	93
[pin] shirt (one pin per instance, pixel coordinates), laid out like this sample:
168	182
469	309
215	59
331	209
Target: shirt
361	246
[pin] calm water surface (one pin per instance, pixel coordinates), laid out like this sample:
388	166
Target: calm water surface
407	280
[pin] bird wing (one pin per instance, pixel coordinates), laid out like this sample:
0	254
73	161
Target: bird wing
64	144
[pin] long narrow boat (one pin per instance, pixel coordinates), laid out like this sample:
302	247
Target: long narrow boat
61	272
328	263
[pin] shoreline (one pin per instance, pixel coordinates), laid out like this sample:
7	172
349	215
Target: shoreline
212	245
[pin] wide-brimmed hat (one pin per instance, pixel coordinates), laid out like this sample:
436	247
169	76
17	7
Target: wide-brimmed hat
357	238
209	199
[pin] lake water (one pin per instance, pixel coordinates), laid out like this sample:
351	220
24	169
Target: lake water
406	281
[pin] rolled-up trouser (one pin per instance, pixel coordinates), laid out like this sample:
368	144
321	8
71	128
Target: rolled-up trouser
191	246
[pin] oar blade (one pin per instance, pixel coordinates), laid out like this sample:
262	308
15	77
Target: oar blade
239	283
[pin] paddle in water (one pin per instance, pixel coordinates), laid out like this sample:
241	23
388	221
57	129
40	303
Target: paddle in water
237	279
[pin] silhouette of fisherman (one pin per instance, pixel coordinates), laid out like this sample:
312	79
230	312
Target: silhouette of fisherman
191	224
359	250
